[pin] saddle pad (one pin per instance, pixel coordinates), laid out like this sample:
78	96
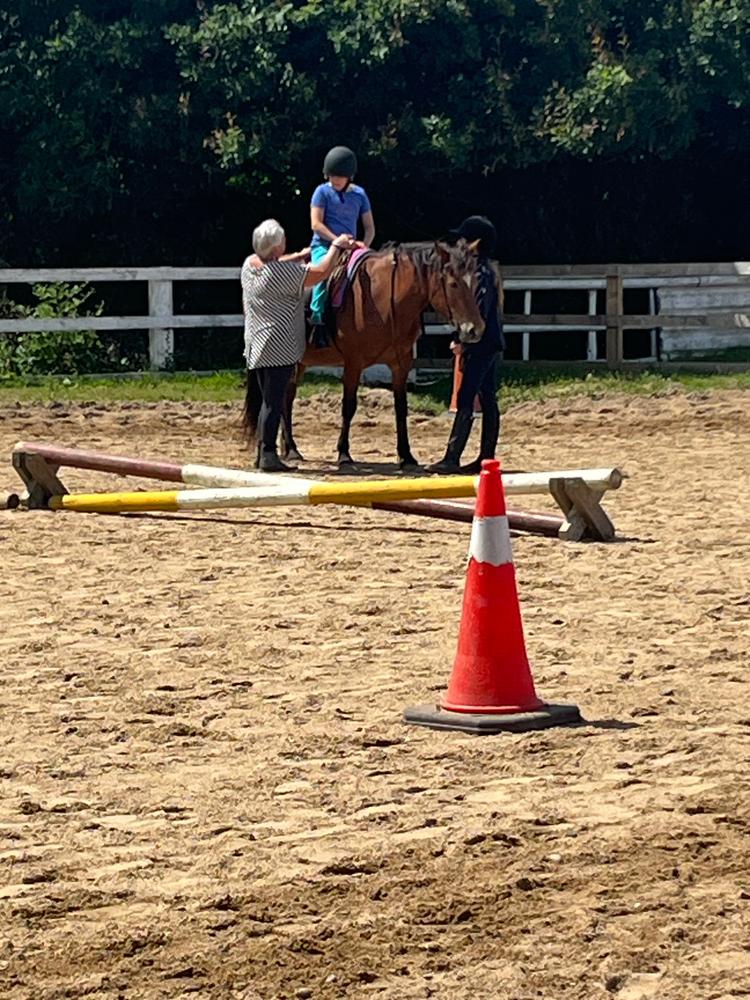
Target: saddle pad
352	266
356	258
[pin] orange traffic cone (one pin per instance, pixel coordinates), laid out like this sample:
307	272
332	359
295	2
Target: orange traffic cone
458	377
491	688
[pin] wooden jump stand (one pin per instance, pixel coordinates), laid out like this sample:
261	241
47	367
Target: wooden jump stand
583	512
39	477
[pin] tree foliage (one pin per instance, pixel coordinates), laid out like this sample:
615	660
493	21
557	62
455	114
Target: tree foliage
41	353
148	113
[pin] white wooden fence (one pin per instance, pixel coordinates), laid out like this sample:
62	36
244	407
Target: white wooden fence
706	305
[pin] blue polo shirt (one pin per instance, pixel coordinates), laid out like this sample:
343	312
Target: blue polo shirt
341	209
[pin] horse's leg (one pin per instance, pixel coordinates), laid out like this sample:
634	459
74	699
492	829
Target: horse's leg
289	451
348	409
406	459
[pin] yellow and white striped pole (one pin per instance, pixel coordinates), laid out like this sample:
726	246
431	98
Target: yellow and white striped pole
290	493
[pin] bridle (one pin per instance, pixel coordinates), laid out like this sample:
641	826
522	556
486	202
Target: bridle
422	267
449	311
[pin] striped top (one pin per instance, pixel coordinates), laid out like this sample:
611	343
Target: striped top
272	298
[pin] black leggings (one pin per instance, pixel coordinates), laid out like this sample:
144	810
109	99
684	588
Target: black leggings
272	383
479	371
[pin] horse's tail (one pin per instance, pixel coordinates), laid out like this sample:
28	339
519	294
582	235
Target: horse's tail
251	411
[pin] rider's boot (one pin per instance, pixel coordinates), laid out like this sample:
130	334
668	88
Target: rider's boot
487	444
320	335
449	464
269	461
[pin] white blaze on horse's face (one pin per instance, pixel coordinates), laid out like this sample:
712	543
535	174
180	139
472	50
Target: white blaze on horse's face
471	330
456	283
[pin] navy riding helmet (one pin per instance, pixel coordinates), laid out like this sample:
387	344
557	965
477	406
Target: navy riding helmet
340	162
477	227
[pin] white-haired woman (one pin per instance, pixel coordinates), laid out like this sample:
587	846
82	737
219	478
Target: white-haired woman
273	287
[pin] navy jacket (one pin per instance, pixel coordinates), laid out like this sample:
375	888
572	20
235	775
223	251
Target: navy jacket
488	296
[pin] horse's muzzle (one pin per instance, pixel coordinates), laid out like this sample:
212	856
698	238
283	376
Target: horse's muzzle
469	334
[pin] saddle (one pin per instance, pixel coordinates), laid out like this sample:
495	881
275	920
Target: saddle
337	286
344	275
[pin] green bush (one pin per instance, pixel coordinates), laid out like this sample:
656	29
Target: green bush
68	352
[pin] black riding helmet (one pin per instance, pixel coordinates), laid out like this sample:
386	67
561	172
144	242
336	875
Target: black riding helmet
340	162
477	227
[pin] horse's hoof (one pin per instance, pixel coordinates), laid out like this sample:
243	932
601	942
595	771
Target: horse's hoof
293	455
409	464
346	462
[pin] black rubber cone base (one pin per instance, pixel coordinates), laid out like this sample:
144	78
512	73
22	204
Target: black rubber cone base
484	725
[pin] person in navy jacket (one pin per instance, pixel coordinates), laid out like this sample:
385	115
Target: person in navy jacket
478	360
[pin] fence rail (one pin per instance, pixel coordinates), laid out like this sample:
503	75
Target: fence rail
612	279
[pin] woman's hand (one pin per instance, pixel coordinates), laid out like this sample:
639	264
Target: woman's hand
457	348
298	255
321	270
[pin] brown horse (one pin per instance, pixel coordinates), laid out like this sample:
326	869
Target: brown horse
380	320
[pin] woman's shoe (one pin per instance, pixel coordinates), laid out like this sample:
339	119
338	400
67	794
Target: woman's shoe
272	463
449	463
445	468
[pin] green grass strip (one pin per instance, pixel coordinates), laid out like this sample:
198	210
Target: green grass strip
517	386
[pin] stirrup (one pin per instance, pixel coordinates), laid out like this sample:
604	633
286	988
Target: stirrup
319	337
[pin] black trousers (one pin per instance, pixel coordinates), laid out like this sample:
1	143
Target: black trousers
479	371
272	383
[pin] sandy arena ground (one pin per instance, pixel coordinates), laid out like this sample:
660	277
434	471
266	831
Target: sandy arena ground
207	789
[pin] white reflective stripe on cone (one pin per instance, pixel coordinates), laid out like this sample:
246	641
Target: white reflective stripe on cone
490	541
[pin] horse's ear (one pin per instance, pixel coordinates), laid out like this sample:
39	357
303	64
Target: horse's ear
443	252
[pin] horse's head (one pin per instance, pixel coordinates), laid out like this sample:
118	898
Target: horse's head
452	287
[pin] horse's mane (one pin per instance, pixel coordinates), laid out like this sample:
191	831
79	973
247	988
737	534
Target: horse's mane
425	254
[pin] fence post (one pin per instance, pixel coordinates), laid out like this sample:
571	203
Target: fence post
591	351
160	341
526	336
614	321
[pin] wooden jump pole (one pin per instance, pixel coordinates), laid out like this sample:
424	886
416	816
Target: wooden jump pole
263	496
514	483
452	510
37	463
169	472
276	495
